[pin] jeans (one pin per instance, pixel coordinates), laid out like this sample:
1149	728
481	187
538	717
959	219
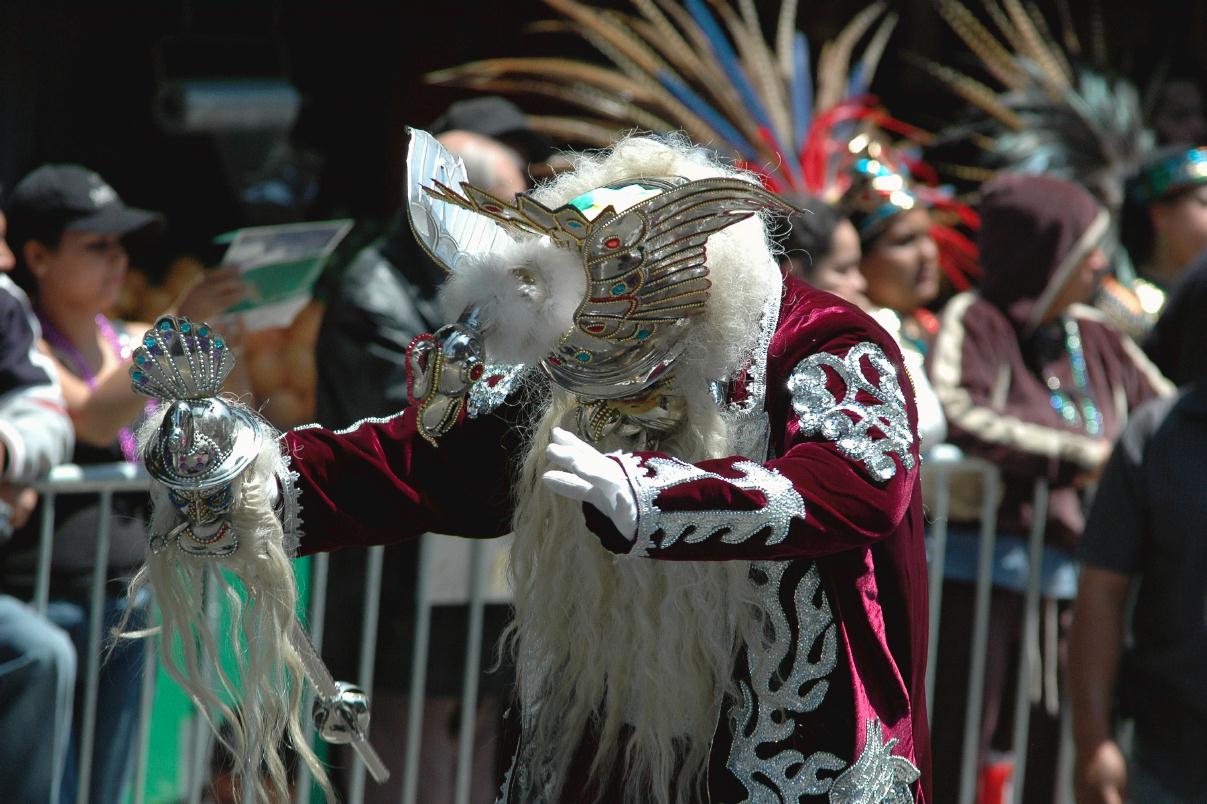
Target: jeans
119	684
37	677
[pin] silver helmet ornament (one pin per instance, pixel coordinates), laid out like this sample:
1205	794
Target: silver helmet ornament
203	444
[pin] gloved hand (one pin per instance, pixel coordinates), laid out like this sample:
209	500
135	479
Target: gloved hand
584	473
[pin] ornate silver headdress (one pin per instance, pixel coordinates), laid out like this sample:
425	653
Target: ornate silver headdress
203	444
645	266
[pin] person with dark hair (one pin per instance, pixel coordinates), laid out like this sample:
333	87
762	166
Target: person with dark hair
822	248
1144	538
899	260
69	232
1036	382
1164	229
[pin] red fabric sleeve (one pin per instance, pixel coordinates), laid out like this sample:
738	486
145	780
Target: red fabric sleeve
379	482
827	492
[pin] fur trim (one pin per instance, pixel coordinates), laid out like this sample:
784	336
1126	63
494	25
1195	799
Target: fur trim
529	290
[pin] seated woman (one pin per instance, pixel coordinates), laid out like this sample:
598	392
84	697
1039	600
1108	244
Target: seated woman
822	248
69	230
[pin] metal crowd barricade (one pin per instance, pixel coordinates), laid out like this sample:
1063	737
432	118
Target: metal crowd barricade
942	465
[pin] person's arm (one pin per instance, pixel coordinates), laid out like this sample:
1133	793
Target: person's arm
381	482
968	364
845	480
100	413
35	433
1111	554
1095	648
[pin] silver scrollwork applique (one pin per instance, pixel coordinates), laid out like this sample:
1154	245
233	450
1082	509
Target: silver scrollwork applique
848	422
762	716
492	390
878	776
658	474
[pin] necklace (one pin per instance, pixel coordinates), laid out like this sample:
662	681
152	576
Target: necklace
63	345
1063	403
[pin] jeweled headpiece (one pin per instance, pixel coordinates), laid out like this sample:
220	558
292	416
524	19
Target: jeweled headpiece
202	442
1165	176
642	245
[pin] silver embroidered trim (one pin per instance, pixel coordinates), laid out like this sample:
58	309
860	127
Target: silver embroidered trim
735	527
505	790
848	422
759	718
290	511
356	425
484	398
878	776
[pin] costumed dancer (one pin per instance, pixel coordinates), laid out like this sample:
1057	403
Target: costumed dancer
815	135
711	475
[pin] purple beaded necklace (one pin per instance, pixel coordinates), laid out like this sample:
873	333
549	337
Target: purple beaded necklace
60	343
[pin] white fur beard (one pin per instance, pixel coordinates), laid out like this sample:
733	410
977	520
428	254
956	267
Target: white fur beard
529	291
680	624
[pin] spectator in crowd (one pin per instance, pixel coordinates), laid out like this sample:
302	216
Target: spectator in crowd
822	248
900	262
386	297
1036	383
69	231
1145	533
37	660
1164	228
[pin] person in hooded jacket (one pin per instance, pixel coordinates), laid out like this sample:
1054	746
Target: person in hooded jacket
1036	382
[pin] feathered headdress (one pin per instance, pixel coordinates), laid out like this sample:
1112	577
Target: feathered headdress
680	66
1056	110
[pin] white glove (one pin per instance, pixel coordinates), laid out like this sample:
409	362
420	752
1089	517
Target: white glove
585	474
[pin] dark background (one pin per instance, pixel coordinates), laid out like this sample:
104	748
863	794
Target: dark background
77	78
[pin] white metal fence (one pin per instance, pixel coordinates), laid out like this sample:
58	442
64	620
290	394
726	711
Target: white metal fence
941	467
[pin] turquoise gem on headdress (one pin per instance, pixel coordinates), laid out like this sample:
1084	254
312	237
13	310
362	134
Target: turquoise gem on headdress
618	288
140	359
165	325
642	334
185	326
218	344
583	357
148	342
138	376
203	330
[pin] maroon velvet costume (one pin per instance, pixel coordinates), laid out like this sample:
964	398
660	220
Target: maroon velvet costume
832	522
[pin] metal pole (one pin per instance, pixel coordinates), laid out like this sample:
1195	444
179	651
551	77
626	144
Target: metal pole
938	561
146	701
202	733
423	626
45	548
980	639
317	616
1028	655
473	661
96	617
368	654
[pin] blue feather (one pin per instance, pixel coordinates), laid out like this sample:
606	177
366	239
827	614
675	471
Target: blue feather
709	115
729	60
855	84
802	89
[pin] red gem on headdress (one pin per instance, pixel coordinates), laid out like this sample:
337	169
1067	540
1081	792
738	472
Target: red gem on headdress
492	208
553	361
612	242
594	328
476	372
